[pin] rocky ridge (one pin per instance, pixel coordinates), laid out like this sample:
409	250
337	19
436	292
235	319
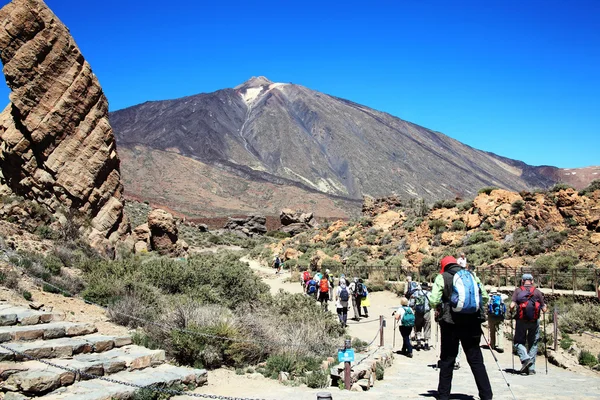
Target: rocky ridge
57	147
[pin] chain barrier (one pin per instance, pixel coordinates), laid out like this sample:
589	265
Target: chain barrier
80	373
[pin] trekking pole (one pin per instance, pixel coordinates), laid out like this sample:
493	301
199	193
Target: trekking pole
545	342
394	341
498	364
512	348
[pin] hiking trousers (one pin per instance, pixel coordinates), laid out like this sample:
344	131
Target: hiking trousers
527	336
469	335
342	313
423	326
406	344
496	332
356	307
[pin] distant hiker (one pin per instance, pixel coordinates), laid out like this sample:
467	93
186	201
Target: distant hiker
331	283
324	291
406	316
496	315
342	296
277	264
365	302
343	280
462	260
355	298
419	302
305	278
312	288
318	276
459	298
409	287
529	303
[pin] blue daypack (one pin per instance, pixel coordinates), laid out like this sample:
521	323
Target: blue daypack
408	319
496	307
466	294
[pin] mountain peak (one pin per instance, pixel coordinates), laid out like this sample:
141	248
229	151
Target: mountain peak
255	82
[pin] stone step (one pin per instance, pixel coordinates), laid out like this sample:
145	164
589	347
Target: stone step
164	375
64	347
51	330
38	378
16	315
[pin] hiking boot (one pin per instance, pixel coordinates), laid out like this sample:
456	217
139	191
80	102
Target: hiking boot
409	355
531	372
456	366
525	364
499	350
426	347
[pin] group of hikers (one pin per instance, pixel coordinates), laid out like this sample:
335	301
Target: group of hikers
460	304
322	287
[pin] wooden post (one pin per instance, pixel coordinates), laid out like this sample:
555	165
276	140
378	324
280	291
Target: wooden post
573	281
552	278
381	331
347	375
506	276
596	287
555	328
515	278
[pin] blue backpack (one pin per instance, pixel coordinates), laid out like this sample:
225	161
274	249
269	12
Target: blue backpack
496	307
408	319
312	286
466	294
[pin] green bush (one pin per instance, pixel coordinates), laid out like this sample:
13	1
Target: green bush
449	203
587	359
458	225
359	345
517	206
579	318
479	237
9	279
45	232
560	186
379	371
278	234
437	225
27	295
50	289
487	190
591	188
317	379
464	206
566	342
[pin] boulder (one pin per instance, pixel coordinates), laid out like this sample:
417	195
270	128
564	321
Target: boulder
247	227
295	222
142	233
57	145
163	232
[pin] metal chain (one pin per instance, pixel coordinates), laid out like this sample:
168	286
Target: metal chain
118	382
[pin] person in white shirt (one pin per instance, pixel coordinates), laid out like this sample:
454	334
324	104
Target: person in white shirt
462	260
342	296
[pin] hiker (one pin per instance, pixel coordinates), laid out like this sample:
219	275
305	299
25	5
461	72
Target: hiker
324	291
419	302
277	263
406	316
342	295
331	283
462	260
318	276
496	315
459	298
312	288
305	278
365	302
342	279
409	287
355	299
529	302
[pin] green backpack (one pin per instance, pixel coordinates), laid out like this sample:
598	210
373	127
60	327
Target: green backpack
408	319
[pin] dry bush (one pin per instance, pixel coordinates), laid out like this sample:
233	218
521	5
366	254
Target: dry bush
580	317
377	278
132	305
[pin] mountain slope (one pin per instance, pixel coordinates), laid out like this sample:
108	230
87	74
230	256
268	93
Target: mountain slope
284	133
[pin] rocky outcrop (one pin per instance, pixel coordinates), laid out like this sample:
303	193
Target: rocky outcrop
295	222
247	227
163	232
57	147
372	207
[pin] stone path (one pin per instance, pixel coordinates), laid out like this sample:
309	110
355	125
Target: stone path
46	337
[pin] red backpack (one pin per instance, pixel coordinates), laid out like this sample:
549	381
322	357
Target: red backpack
306	276
529	308
324	285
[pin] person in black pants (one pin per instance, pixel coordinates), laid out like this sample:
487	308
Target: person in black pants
406	325
456	327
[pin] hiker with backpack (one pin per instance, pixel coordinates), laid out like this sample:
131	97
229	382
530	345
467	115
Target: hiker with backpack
331	283
312	288
496	315
277	264
529	304
324	291
305	278
409	287
406	318
365	302
419	302
355	298
459	299
342	296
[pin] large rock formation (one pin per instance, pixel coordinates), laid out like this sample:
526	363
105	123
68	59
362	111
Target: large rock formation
247	227
295	222
57	147
163	232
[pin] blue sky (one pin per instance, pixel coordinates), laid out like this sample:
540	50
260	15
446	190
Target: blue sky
517	78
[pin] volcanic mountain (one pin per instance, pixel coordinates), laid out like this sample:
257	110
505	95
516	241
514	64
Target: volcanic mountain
264	145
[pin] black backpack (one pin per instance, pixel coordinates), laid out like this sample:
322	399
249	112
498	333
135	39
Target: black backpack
360	290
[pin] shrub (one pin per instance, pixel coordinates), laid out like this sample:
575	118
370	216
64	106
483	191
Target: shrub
517	206
587	359
45	232
359	345
458	225
580	317
317	379
487	190
591	188
560	186
464	206
27	295
9	279
379	371
437	225
50	289
278	234
449	203
479	237
566	342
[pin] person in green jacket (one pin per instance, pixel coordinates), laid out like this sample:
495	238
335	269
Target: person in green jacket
460	319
